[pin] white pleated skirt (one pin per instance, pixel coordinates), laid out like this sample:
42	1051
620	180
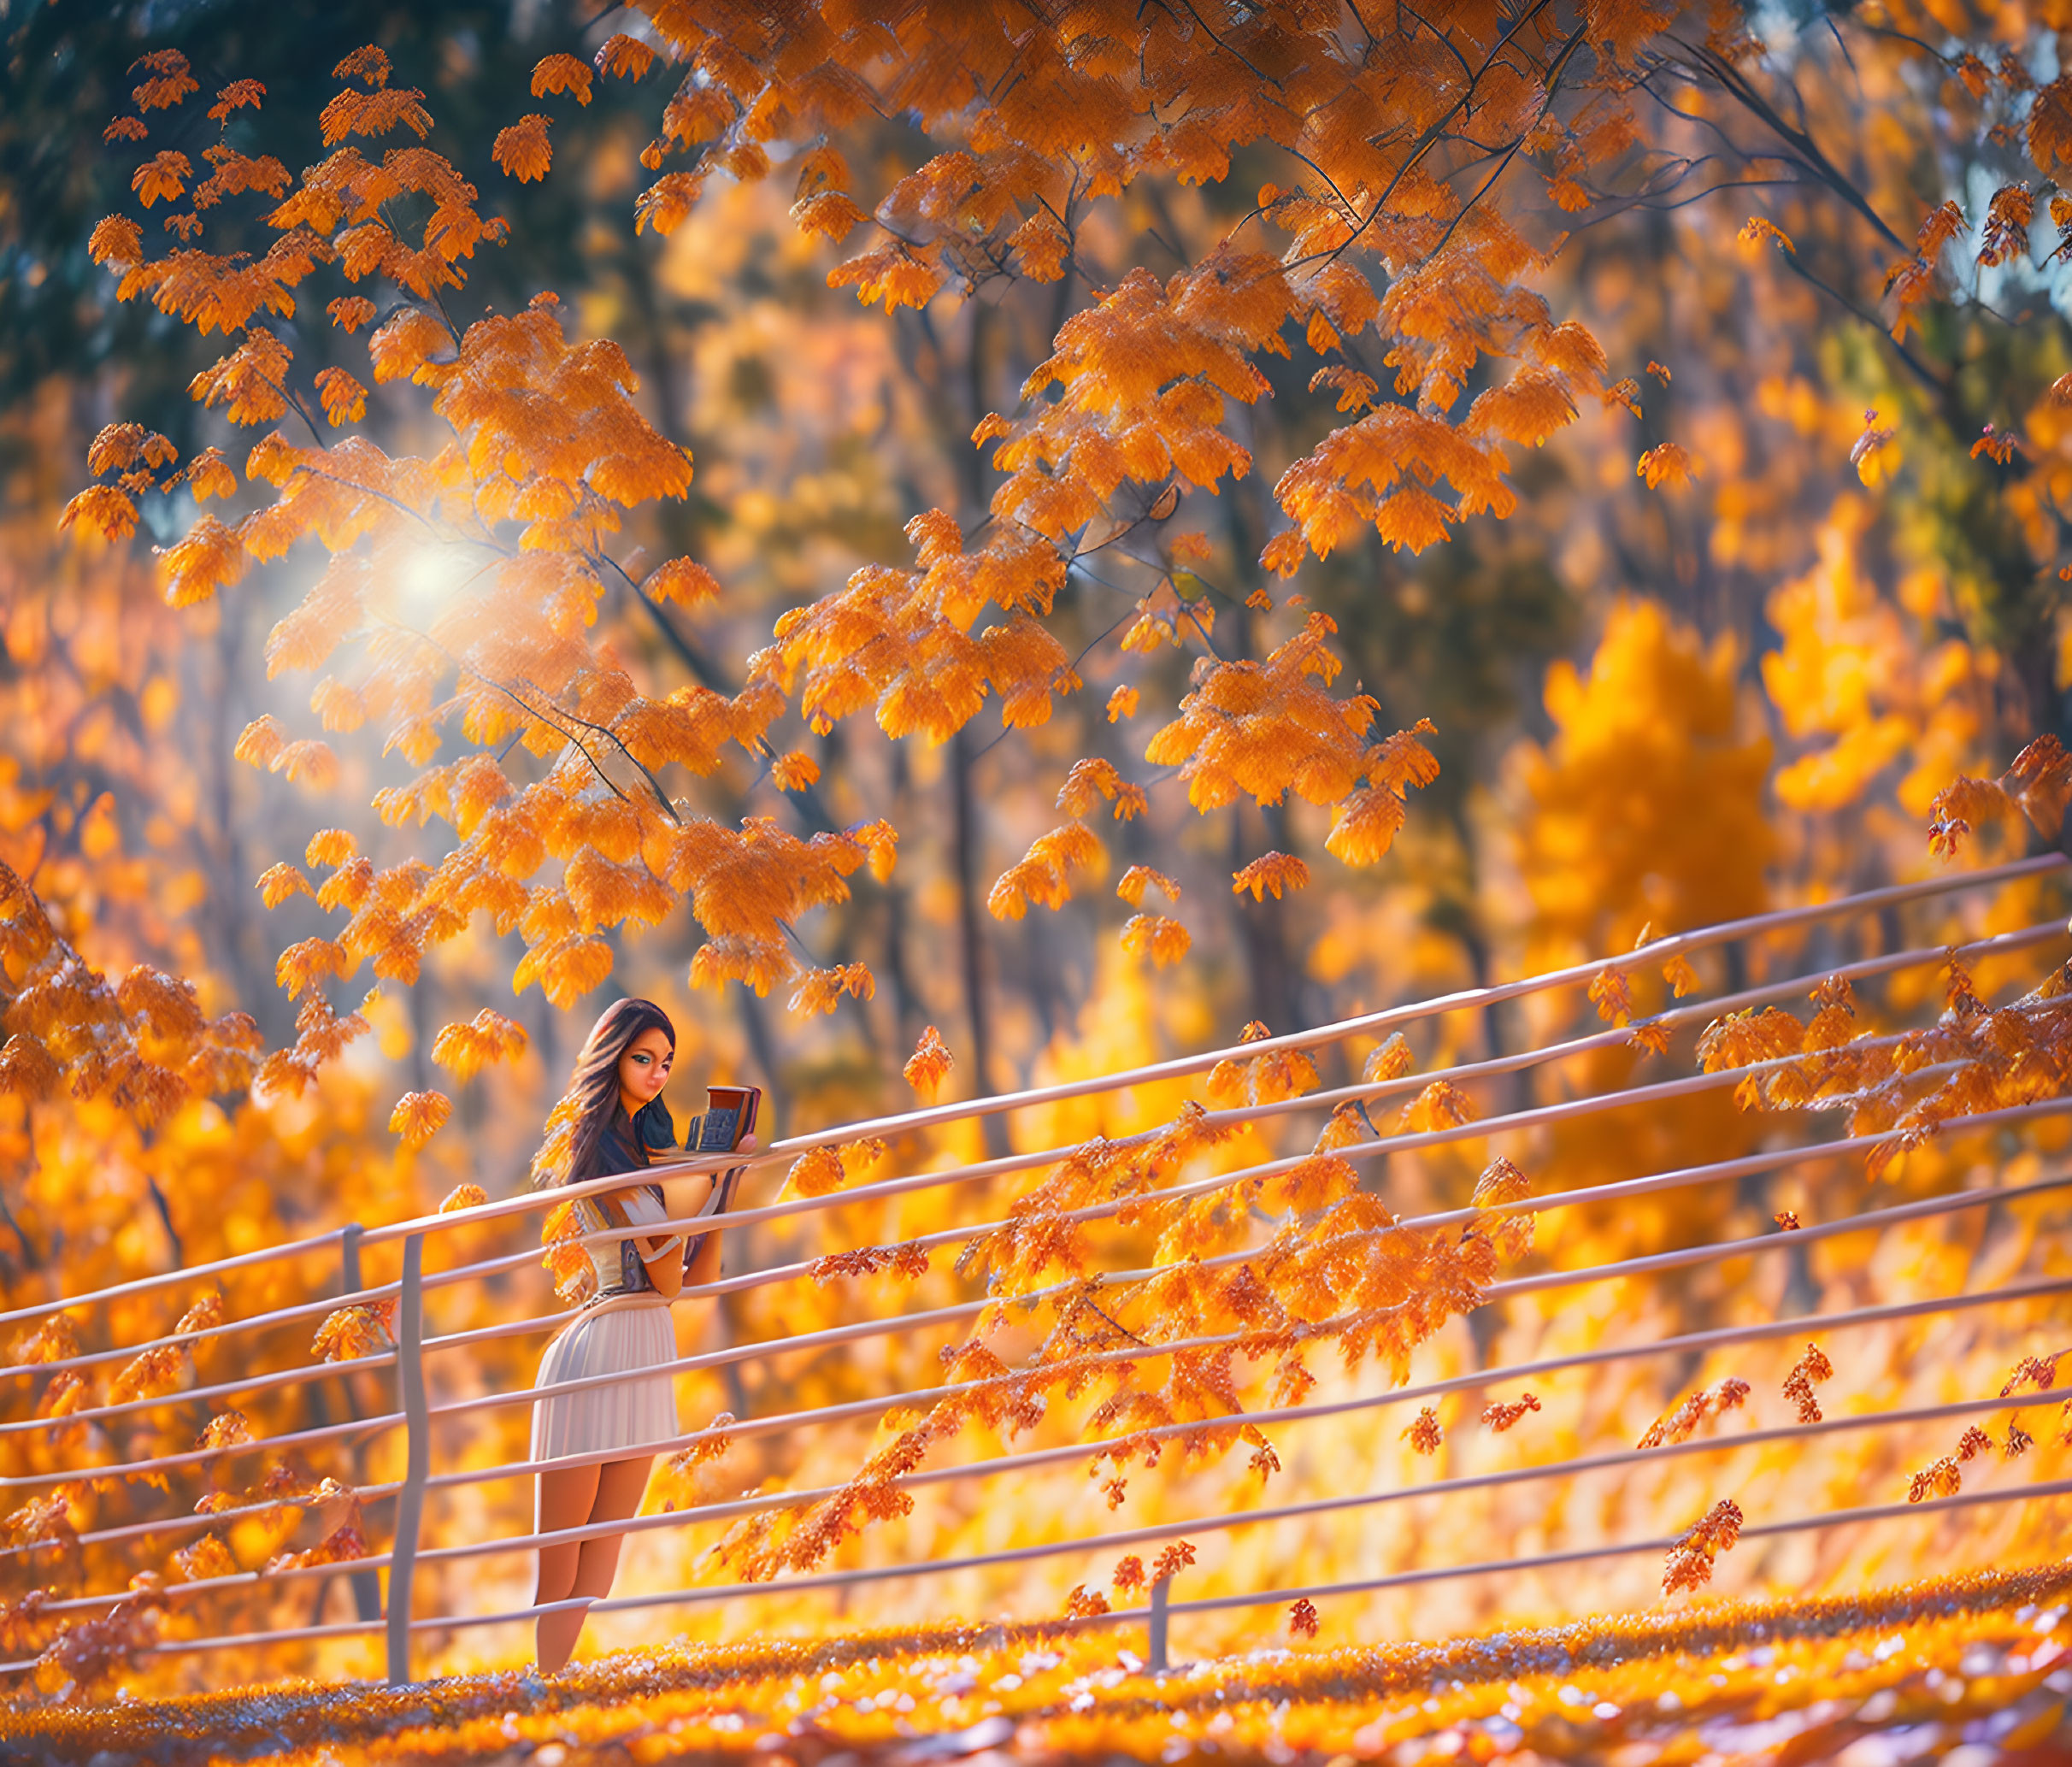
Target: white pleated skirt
635	1411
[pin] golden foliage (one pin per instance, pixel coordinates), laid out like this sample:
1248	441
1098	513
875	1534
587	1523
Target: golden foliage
1424	1433
1270	871
1164	939
464	1050
1690	1561
364	1329
1813	1366
929	1066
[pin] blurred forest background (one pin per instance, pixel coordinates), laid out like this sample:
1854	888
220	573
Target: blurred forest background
1729	678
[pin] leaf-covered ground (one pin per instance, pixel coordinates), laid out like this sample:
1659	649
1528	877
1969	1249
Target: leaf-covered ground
1982	1664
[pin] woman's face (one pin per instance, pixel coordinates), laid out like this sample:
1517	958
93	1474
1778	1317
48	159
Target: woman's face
643	1070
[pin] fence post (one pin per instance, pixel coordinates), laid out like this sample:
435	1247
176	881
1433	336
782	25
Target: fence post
410	1501
1160	1594
366	1584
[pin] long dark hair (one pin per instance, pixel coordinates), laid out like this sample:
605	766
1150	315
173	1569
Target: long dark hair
591	1109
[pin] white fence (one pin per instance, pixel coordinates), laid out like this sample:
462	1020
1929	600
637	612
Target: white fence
389	1609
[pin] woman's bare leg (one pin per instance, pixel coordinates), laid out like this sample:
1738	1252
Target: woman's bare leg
567	1496
619	1486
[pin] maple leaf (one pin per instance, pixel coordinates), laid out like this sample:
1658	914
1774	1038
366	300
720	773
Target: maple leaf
833	214
236	96
169	81
1045	872
1164	940
666	203
1133	883
118	241
405	345
794	771
625	57
250	382
374	114
814	1172
1666	463
329	847
1269	871
522	150
302	965
464	1050
1611	991
2049	124
561	74
822	990
279	882
896	274
364	1329
163	174
418	1117
101	510
350	312
929	1066
345	400
682	580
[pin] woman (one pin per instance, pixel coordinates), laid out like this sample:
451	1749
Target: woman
613	1118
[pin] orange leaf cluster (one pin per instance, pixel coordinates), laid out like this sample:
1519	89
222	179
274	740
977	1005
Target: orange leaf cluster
1689	1563
1799	1384
364	1329
929	1066
143	1044
1677	1424
1501	1415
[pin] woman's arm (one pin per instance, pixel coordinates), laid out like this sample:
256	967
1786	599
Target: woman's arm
664	1259
704	1265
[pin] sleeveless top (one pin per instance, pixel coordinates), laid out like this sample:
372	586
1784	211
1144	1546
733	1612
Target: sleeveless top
618	1266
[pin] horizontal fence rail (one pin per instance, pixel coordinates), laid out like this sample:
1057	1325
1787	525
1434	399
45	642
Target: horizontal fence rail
420	1416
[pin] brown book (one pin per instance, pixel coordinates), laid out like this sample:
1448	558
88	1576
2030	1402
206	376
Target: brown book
730	1115
728	1119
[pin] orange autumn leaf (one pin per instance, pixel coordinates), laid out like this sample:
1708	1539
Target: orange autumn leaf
625	57
165	175
343	399
1163	939
561	74
1270	871
522	150
1666	463
1134	881
418	1117
464	1050
794	771
929	1066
